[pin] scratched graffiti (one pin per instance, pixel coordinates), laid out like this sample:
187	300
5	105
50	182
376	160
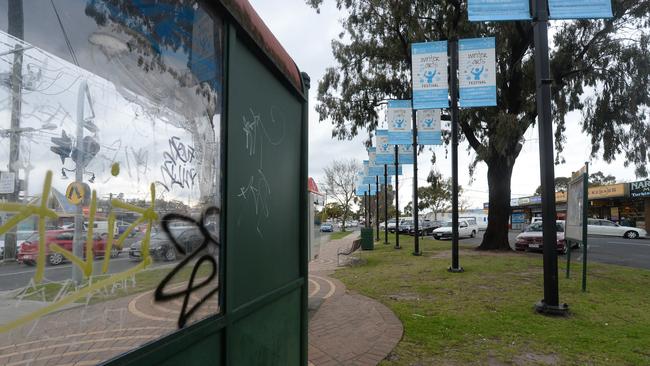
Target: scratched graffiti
257	192
78	278
178	166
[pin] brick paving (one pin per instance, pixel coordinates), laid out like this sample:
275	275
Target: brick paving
347	328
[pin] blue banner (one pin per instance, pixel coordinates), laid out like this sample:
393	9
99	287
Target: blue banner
399	122
477	72
405	154
385	152
487	10
579	9
429	75
379	171
429	130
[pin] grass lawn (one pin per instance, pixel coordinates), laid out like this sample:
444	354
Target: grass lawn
339	235
485	315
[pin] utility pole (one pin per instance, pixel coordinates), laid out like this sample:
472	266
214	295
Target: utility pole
16	28
385	204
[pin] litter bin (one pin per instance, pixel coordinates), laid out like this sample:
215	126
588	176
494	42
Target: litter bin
367	241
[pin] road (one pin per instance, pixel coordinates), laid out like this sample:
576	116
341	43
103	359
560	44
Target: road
604	249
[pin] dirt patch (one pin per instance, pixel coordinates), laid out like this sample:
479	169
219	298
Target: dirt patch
535	359
404	297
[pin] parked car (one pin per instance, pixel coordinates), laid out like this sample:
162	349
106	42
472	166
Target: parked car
326	228
21	236
531	238
161	248
354	223
465	229
28	251
99	227
427	227
405	225
606	227
391	225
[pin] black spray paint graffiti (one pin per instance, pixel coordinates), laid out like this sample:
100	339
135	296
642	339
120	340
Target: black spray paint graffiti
177	168
208	238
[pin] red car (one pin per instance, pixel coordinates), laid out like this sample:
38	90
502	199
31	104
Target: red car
28	252
531	238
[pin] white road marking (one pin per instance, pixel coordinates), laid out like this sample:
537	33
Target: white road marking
621	243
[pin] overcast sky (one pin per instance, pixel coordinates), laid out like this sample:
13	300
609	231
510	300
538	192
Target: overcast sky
307	37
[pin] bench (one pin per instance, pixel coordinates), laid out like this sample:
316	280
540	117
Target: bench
353	248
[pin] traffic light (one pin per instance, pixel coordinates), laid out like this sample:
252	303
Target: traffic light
62	146
90	148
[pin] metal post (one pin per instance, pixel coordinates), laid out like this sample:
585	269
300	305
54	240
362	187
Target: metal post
453	90
78	241
365	209
585	241
416	214
17	29
377	205
550	304
386	203
568	258
397	199
369	207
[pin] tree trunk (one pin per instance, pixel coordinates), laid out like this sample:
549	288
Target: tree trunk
499	176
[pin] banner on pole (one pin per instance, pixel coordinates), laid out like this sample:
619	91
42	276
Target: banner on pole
405	154
579	9
477	72
399	122
429	75
429	129
385	153
487	10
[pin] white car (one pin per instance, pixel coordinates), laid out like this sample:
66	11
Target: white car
606	227
465	229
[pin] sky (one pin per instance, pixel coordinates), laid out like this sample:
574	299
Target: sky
307	36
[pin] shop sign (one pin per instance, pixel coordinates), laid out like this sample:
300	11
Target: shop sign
613	190
524	201
514	202
536	199
518	218
640	189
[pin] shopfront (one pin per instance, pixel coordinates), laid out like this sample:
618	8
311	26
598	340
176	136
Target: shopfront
640	192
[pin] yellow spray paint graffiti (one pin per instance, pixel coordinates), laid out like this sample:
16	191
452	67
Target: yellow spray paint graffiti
24	211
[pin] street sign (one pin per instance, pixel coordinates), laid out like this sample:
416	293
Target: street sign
429	131
399	126
575	203
429	75
75	193
486	10
7	182
477	72
579	9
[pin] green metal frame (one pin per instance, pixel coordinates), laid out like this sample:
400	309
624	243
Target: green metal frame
188	345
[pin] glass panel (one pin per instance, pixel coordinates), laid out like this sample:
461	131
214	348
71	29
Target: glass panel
110	119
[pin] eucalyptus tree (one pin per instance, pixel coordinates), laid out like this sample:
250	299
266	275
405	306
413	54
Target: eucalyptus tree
600	68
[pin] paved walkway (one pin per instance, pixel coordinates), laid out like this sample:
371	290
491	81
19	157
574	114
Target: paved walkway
346	328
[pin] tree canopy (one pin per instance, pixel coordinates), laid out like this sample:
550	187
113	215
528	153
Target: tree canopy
340	181
599	67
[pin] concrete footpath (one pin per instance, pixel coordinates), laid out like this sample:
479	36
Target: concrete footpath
346	328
